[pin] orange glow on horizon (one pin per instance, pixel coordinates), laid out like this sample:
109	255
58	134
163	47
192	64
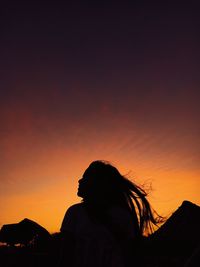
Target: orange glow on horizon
46	201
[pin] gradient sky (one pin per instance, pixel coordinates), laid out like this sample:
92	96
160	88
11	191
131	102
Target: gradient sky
84	82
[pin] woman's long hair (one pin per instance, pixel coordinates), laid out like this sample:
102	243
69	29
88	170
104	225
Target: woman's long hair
110	188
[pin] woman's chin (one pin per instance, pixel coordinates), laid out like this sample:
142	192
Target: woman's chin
79	193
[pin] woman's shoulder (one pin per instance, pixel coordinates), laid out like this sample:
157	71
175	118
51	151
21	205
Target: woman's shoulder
71	217
75	207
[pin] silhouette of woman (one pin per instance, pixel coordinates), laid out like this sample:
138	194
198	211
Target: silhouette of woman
106	227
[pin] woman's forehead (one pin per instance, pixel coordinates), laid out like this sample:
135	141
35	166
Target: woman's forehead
88	171
91	170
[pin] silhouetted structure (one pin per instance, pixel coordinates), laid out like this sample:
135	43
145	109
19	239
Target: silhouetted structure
182	225
23	232
177	239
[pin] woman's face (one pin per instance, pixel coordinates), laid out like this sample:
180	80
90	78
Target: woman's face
86	184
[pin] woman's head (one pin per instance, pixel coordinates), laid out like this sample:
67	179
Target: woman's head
102	186
100	182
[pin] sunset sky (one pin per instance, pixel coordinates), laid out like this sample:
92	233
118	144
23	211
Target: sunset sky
81	82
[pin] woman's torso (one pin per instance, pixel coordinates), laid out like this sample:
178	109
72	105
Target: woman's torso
96	245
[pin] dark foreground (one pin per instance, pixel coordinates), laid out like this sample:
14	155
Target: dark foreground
152	254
